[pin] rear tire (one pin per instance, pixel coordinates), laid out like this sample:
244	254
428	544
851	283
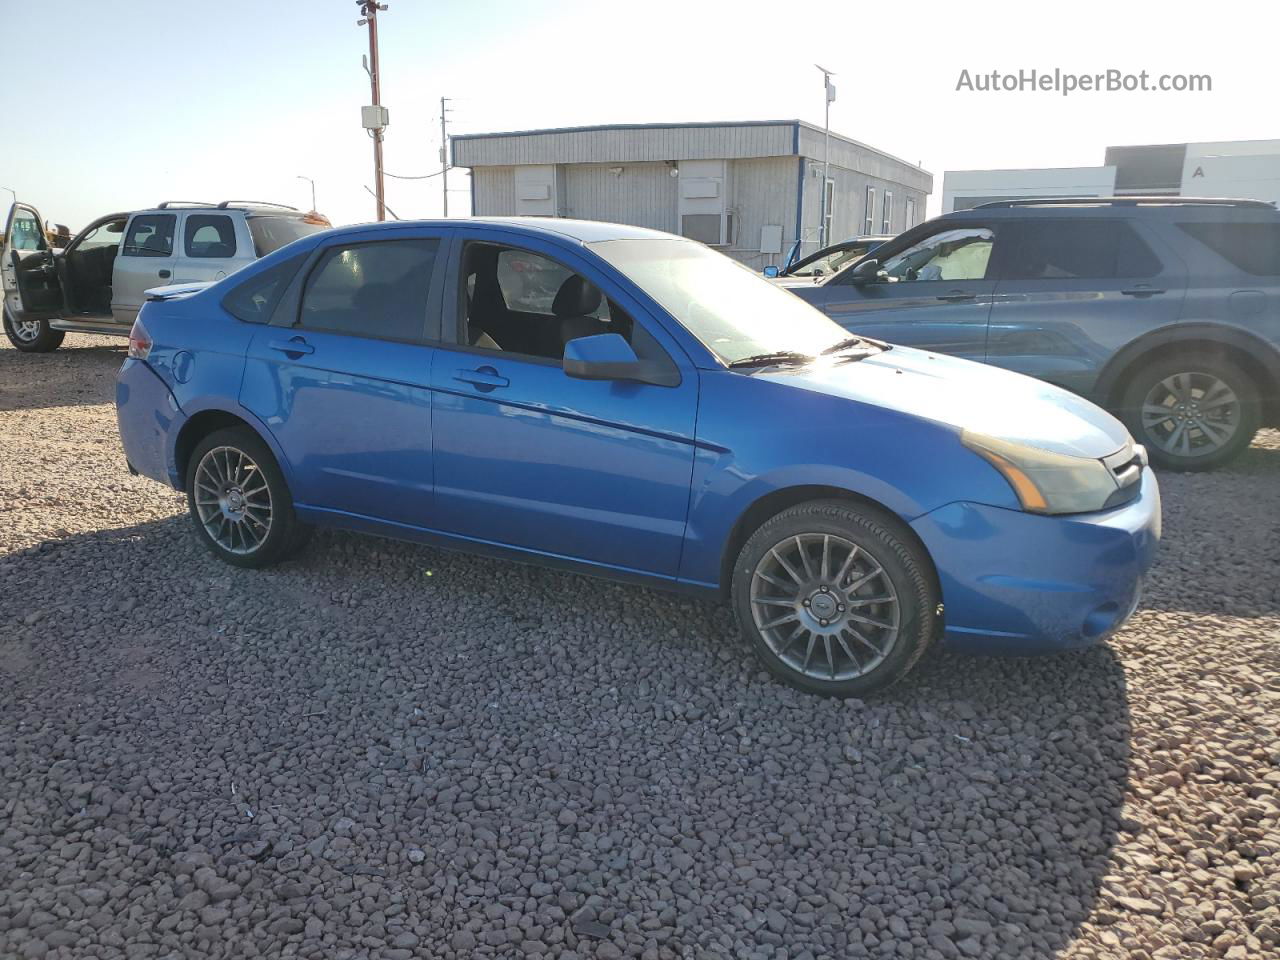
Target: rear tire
239	502
31	336
835	598
1192	413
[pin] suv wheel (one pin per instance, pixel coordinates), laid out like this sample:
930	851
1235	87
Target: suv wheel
834	599
1190	413
31	336
239	501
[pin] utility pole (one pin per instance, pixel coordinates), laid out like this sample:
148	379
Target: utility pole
829	95
374	118
444	153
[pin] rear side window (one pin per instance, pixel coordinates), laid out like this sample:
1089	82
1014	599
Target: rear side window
150	235
1077	250
253	300
1251	247
271	233
209	235
371	290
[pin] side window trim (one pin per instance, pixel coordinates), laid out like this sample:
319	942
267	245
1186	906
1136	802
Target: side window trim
288	311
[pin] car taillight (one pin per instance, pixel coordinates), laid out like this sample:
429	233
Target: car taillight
139	341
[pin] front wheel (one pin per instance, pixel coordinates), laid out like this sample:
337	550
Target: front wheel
835	598
31	336
239	501
1192	414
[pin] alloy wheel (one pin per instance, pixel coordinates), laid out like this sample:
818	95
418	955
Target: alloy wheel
26	330
233	500
1190	414
825	606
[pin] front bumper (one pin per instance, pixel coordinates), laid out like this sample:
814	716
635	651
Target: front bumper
146	413
1015	582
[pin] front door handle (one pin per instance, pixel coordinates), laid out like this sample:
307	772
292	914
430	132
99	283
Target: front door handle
295	347
956	296
1141	290
485	378
165	274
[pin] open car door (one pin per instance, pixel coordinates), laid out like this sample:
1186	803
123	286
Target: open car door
31	288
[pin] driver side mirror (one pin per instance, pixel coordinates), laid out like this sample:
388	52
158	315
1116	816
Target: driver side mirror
771	271
608	356
867	271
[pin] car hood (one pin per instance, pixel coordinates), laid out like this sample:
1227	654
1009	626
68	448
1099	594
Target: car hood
965	395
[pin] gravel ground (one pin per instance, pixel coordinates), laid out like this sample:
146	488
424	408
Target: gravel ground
385	751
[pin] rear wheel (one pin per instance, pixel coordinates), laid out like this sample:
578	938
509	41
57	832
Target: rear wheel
1192	413
239	502
835	599
31	336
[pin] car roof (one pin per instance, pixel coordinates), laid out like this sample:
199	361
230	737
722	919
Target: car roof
583	231
1101	207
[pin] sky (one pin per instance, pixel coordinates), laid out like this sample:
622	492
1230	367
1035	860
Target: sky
126	104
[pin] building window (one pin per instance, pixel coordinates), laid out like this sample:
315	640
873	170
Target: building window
909	218
869	214
829	211
887	213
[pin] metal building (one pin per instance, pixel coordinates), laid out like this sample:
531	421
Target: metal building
751	189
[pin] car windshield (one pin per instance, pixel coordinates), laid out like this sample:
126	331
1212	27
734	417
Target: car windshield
272	233
733	311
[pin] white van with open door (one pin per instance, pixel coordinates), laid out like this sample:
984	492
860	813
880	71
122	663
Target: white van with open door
98	282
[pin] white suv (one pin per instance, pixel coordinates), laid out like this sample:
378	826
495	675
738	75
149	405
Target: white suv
98	282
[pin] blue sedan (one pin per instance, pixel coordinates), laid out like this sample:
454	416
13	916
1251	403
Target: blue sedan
633	405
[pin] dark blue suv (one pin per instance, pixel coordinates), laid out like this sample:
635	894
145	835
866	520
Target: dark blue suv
1164	310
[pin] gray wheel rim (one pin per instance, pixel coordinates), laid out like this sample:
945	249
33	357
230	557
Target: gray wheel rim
233	500
825	606
1190	415
25	330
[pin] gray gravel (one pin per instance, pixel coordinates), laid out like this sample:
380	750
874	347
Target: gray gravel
386	751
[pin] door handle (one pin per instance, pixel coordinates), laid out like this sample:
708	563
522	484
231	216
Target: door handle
1141	290
296	347
955	296
165	274
485	378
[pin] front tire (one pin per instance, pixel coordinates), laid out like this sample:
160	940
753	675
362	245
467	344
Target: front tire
239	502
31	336
1192	413
835	598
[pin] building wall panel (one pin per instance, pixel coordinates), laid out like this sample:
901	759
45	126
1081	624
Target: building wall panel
641	194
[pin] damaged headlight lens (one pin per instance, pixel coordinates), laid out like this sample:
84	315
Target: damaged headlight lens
1046	482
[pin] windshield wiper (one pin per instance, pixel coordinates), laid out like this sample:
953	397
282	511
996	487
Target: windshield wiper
765	359
851	342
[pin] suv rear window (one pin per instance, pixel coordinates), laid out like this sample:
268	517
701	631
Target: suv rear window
271	233
1069	249
1251	247
253	300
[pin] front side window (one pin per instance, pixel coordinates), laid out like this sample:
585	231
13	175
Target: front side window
959	254
376	290
520	302
26	233
733	311
150	235
1071	249
209	235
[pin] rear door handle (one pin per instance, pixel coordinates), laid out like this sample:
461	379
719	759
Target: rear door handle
165	274
955	296
484	378
1141	290
296	346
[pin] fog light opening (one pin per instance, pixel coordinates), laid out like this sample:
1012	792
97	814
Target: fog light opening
1101	620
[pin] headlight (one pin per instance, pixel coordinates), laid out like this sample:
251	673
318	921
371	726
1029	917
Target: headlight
1046	482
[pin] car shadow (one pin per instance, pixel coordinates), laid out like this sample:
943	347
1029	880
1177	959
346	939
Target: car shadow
81	371
461	700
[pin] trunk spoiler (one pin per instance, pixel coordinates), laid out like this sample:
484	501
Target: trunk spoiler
176	291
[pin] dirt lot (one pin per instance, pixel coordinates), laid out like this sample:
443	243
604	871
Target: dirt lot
385	751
